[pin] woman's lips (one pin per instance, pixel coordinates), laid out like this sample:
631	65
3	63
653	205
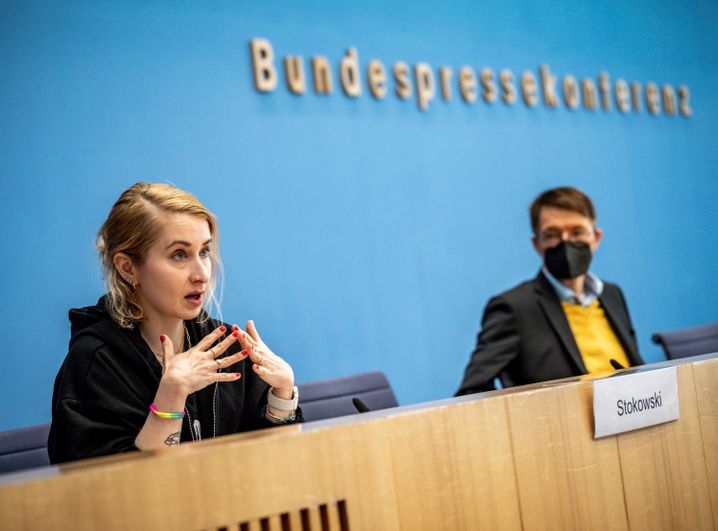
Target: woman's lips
195	299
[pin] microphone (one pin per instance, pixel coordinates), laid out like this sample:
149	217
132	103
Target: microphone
361	406
616	365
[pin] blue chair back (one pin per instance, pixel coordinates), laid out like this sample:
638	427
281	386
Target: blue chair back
688	341
24	448
325	399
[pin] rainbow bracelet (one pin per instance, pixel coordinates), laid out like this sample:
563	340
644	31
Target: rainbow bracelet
162	414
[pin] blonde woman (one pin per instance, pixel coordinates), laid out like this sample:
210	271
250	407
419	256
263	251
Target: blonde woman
147	368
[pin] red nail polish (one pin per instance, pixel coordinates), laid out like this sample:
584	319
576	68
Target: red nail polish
235	327
162	338
255	366
222	329
243	353
235	333
238	375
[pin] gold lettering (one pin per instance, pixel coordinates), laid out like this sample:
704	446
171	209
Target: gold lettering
636	96
489	92
653	103
467	84
445	74
508	92
294	71
684	103
377	79
604	87
401	76
570	91
529	88
322	75
669	100
589	94
349	74
424	79
548	85
623	97
628	97
265	74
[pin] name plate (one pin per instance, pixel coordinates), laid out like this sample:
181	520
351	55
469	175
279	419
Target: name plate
632	401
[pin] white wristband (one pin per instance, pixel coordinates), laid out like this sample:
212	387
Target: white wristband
282	404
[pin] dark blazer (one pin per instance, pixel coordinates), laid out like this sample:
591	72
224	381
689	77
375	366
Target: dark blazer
525	335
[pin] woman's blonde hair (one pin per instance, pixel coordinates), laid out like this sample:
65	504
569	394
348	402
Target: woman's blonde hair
132	226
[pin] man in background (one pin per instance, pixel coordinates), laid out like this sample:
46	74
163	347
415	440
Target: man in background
564	322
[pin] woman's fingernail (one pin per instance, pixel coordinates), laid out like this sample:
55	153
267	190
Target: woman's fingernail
222	329
255	366
238	375
235	327
162	338
243	353
235	333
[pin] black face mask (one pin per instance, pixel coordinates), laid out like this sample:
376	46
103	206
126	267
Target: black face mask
568	259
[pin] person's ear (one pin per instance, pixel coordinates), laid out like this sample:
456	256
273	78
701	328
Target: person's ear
125	267
597	235
537	247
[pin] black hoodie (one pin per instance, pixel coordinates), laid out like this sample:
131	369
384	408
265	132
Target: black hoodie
109	378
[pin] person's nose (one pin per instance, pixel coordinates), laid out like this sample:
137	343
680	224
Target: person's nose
202	271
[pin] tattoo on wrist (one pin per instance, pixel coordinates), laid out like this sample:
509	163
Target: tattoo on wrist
172	439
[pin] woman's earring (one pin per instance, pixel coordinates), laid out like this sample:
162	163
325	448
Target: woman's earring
131	283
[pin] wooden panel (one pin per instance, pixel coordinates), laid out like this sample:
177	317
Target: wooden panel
483	464
520	459
217	482
664	471
295	521
705	374
312	519
453	468
566	480
356	458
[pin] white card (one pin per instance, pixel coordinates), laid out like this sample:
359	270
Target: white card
628	402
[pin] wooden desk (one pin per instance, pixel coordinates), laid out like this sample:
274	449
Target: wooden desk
522	458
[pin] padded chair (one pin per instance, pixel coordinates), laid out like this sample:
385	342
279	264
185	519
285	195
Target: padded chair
24	448
333	398
27	447
688	341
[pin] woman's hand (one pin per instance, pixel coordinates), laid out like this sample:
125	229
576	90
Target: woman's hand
196	368
182	374
269	367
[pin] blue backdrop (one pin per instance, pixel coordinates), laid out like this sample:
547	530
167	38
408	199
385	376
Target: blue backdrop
358	234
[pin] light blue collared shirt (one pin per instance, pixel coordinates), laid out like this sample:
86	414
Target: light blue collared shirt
592	289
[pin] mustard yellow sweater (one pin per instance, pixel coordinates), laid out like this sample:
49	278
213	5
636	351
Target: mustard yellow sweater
594	336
